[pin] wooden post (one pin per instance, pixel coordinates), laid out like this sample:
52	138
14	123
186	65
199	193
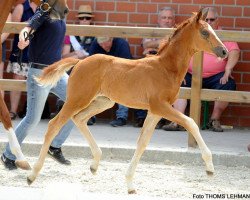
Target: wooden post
195	101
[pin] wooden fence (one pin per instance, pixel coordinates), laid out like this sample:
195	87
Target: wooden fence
195	94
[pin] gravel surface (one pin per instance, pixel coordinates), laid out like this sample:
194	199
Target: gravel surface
166	180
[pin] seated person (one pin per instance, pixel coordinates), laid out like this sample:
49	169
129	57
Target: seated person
216	75
120	48
78	46
166	19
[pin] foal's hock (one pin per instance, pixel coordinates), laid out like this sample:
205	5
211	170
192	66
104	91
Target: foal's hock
151	83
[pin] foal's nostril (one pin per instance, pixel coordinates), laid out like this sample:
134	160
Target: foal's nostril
220	51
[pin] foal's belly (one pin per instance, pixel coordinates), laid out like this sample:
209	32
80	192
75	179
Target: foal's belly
129	93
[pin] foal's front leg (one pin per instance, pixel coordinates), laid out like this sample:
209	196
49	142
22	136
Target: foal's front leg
168	112
143	140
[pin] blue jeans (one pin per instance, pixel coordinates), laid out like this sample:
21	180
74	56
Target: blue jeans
36	98
140	114
212	82
122	112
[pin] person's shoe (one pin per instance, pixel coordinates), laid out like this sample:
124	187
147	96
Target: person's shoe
8	163
161	123
173	127
57	155
214	125
13	115
139	122
91	121
118	122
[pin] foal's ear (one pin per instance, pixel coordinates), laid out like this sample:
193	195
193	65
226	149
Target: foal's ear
202	14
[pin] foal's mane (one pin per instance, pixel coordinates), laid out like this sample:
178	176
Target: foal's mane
165	42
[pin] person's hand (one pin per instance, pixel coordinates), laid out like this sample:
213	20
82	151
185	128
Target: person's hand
81	53
22	41
184	82
225	77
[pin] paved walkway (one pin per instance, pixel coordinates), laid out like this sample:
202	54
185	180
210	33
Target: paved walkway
232	142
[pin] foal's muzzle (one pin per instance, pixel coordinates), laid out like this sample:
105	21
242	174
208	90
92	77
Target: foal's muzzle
220	51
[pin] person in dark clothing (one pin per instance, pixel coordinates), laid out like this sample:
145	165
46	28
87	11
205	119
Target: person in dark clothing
77	46
44	49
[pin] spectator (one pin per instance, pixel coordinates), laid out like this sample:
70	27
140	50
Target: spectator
120	48
21	13
44	49
78	46
166	19
216	75
3	38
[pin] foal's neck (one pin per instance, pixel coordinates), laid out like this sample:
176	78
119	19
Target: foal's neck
178	53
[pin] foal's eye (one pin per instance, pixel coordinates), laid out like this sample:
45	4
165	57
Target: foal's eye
204	33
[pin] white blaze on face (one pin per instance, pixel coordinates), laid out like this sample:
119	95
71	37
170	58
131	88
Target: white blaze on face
213	32
217	38
14	145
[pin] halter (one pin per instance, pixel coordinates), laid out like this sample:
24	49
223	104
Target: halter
45	7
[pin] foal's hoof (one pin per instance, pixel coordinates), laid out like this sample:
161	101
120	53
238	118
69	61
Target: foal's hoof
209	173
131	191
29	181
23	164
93	171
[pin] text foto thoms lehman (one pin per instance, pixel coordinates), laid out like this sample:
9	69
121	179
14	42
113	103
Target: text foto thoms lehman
221	196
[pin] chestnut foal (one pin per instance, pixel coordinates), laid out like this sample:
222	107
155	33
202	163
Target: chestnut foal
150	83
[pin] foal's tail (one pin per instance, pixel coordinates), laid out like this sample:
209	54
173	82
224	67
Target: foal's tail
54	72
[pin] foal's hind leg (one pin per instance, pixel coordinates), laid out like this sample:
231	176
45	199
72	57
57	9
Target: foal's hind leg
97	106
168	112
54	127
143	140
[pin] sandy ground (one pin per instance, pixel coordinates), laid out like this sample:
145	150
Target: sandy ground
161	180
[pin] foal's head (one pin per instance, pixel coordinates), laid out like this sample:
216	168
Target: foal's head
205	38
59	8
